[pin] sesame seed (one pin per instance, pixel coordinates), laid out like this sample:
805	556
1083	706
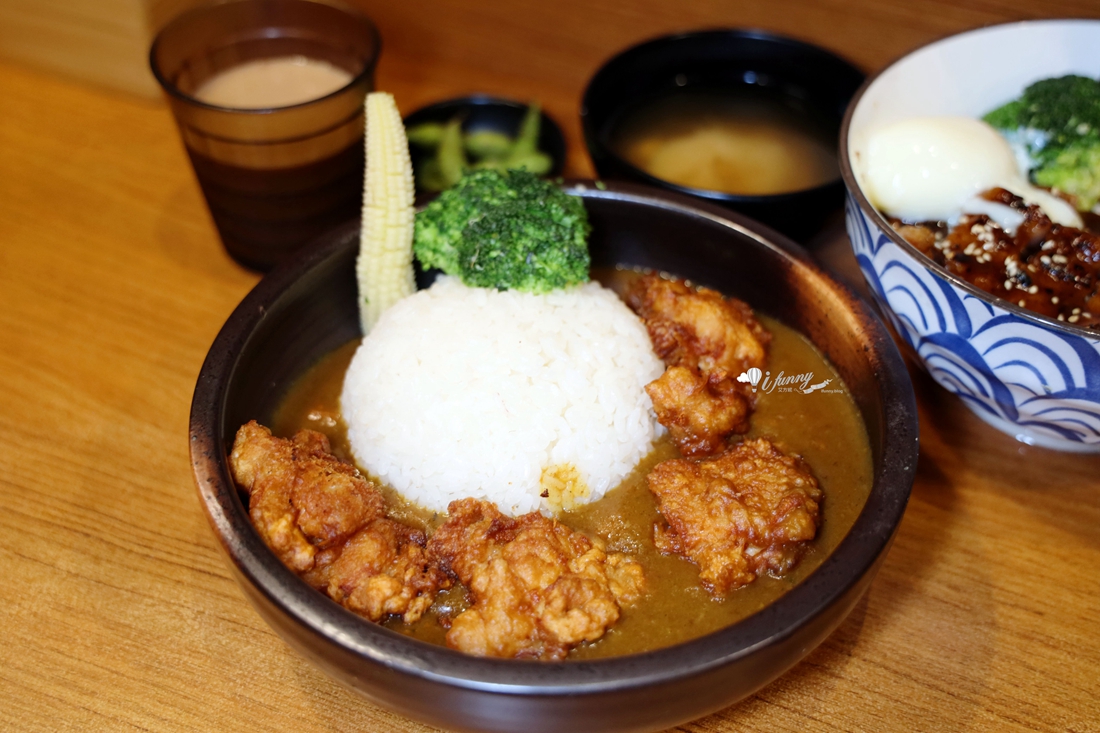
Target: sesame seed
1033	289
1008	285
1054	300
1021	304
1061	317
1045	259
1076	311
1073	319
1060	259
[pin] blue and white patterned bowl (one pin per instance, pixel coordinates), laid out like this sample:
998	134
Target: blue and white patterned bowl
1030	376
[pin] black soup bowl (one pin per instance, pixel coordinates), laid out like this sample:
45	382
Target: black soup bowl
307	308
812	83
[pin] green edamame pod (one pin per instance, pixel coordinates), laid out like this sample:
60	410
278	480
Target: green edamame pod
527	141
426	134
537	162
428	177
488	144
451	155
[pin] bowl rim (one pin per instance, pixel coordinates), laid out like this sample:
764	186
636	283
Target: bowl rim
647	45
857	554
856	192
475	99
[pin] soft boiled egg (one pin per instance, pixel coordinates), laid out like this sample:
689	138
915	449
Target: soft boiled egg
933	168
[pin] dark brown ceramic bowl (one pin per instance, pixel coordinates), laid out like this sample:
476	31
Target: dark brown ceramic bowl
307	308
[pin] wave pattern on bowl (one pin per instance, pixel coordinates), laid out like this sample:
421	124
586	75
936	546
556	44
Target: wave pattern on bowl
1037	383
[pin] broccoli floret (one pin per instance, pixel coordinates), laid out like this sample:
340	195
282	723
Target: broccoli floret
1058	121
505	231
1075	170
440	226
1006	117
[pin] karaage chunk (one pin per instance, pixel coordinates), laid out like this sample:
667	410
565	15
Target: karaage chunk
383	569
707	341
699	410
747	511
698	327
537	587
302	498
327	523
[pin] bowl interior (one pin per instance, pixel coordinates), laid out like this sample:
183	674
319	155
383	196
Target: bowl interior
305	309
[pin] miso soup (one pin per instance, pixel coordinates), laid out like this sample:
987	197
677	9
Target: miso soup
747	142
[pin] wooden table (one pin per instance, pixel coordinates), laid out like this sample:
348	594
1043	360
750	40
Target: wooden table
118	612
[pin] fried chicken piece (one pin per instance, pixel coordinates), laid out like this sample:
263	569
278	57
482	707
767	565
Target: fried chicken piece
302	498
537	587
382	569
746	511
707	341
699	410
327	523
698	327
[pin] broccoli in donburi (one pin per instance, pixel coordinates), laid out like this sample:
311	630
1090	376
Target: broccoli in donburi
1057	123
507	230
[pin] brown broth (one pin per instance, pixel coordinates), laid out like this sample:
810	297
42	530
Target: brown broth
824	427
749	144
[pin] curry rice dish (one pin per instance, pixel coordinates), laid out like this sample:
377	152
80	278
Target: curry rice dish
726	513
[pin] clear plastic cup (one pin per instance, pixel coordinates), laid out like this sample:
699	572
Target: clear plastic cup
274	178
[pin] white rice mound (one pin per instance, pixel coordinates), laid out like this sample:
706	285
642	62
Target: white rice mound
461	391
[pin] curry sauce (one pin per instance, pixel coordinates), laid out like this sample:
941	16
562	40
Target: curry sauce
802	406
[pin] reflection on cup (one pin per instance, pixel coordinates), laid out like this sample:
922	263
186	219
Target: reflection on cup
268	96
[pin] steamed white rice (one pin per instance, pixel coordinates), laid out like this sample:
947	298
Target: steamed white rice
461	391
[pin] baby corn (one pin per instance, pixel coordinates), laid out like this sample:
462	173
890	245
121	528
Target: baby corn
384	267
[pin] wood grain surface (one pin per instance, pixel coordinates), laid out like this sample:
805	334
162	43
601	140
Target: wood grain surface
117	611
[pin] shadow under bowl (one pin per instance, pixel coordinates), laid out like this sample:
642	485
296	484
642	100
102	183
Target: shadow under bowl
809	81
1030	376
307	308
483	112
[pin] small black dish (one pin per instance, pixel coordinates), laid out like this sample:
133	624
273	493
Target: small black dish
482	112
808	79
